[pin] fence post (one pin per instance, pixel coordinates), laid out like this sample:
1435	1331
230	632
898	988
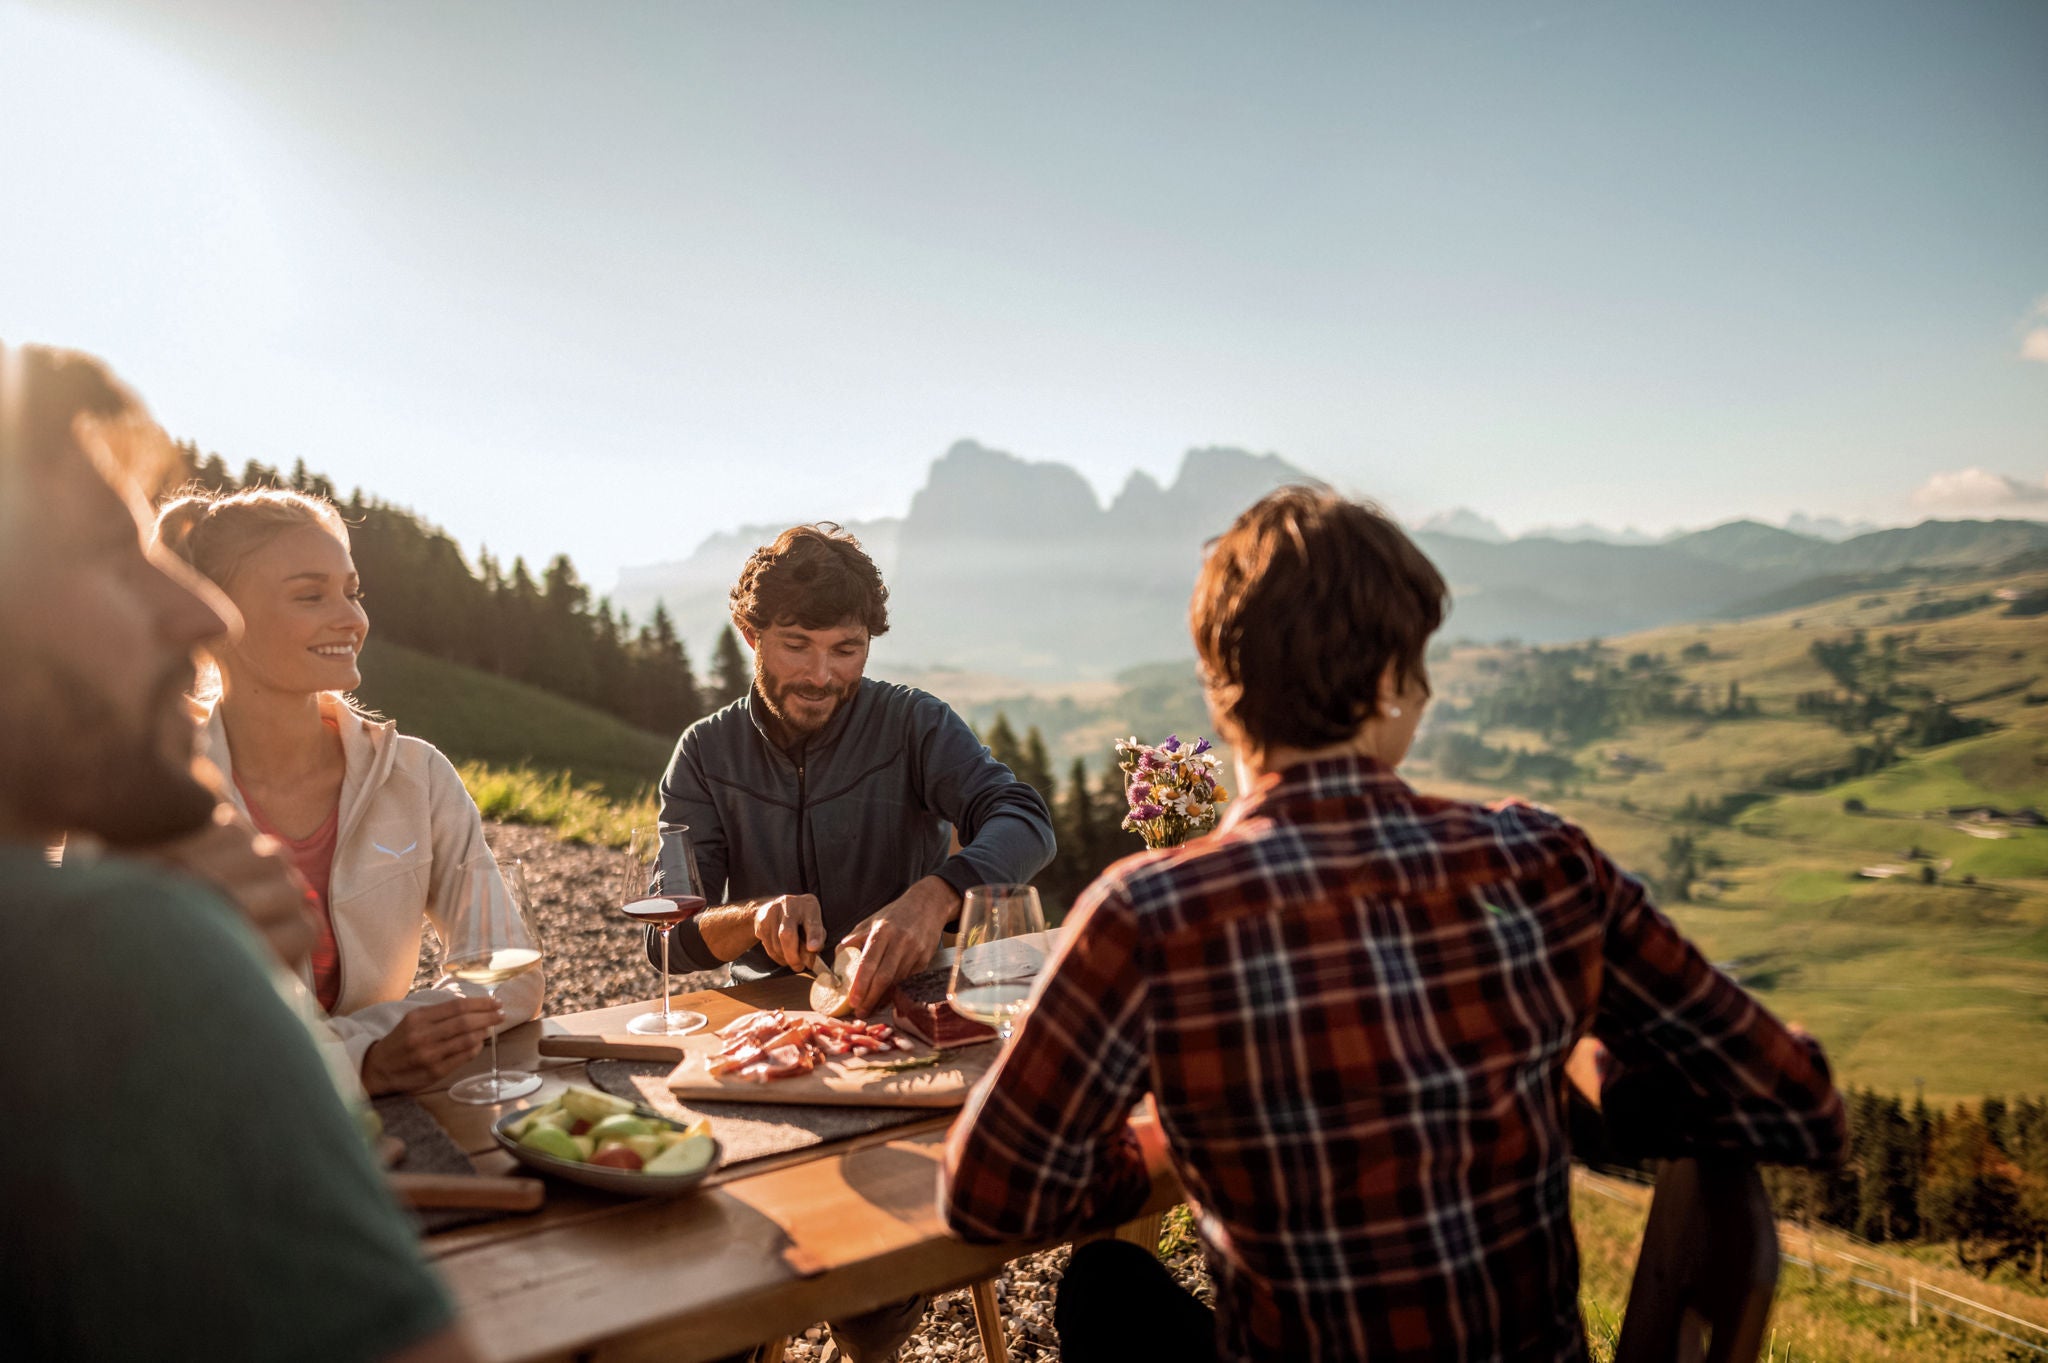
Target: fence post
1913	1303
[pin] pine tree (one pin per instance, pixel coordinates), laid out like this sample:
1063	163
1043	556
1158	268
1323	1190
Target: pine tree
1113	803
1900	1152
1076	832
1867	1163
1037	767
731	677
564	642
1681	866
669	696
1966	1195
516	612
212	472
1994	1112
610	665
2030	1211
1003	745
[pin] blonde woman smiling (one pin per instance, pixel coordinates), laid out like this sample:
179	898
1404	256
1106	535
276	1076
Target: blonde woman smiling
378	824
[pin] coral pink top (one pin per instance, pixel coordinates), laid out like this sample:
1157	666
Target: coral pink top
313	857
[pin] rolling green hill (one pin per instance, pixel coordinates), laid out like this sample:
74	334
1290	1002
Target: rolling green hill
475	716
1913	939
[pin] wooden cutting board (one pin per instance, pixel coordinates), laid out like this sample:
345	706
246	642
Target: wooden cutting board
835	1083
840	1083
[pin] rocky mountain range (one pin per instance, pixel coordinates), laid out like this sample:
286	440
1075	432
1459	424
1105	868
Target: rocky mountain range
1015	567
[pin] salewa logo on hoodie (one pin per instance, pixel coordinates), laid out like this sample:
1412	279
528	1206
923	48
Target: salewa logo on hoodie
400	852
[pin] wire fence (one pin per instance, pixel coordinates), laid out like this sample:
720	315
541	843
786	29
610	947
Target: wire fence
1914	1294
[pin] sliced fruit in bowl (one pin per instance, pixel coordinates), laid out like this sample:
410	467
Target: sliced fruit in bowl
606	1142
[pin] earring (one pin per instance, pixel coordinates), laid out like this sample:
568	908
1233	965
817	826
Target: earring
1393	712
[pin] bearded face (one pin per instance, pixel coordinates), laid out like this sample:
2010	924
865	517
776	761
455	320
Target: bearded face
804	675
98	633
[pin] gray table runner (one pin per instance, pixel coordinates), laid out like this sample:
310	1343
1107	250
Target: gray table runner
749	1131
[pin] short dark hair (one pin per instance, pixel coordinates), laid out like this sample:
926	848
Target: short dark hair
813	577
1300	607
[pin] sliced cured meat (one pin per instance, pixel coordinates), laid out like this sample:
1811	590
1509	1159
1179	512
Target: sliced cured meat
922	1011
772	1045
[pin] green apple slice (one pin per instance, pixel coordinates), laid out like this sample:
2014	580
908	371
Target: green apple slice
550	1140
593	1106
691	1156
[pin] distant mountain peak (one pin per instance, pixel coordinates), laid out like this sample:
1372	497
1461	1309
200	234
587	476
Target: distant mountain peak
1140	495
1585	532
1828	527
973	489
1466	524
1210	463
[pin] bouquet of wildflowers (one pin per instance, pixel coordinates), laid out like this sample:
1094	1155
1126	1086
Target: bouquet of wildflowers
1172	788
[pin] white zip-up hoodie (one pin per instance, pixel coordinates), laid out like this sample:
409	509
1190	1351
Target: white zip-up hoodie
407	837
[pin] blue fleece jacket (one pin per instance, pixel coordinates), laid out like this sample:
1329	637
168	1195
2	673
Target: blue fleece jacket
858	814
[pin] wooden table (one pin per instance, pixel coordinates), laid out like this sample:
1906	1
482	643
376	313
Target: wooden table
760	1251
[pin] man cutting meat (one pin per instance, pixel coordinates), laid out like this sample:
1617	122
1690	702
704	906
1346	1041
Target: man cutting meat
823	804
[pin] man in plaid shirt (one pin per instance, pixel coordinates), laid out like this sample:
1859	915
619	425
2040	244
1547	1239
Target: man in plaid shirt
1352	1005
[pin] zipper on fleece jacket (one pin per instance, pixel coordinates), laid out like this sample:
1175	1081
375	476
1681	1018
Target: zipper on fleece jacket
803	874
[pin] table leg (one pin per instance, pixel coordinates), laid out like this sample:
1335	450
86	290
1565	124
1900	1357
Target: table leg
1143	1232
988	1321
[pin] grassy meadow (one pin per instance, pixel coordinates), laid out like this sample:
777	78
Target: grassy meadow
475	716
1936	977
1816	1317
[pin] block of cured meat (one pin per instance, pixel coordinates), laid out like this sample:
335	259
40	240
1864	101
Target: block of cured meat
922	1011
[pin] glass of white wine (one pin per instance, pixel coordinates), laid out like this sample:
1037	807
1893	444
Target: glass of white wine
491	942
994	970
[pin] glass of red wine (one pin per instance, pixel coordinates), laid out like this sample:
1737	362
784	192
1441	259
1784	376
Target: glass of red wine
662	888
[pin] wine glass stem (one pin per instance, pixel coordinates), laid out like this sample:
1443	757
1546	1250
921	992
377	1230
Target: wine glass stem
668	1007
491	992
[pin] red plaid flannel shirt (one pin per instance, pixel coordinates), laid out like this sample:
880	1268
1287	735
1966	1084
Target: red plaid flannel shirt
1353	1005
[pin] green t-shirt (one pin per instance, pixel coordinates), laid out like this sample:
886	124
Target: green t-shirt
178	1176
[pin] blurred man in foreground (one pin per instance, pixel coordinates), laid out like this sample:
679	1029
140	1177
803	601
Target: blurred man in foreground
178	1175
1352	1005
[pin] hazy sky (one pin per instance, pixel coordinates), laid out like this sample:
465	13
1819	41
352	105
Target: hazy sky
605	277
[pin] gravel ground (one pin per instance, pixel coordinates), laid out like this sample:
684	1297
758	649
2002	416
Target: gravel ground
594	960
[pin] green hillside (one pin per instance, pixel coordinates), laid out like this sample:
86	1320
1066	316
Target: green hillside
475	716
1913	940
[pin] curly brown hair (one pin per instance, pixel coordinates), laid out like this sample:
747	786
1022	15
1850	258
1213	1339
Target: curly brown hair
813	577
1299	609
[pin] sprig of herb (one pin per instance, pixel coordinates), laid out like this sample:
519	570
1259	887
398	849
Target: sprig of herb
908	1062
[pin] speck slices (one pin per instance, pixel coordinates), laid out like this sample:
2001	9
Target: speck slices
772	1045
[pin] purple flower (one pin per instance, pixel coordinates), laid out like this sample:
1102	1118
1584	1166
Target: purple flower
1141	791
1146	811
1172	743
1148	762
1201	746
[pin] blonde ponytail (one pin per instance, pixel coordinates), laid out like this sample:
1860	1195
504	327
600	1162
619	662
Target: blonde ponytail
215	532
177	519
